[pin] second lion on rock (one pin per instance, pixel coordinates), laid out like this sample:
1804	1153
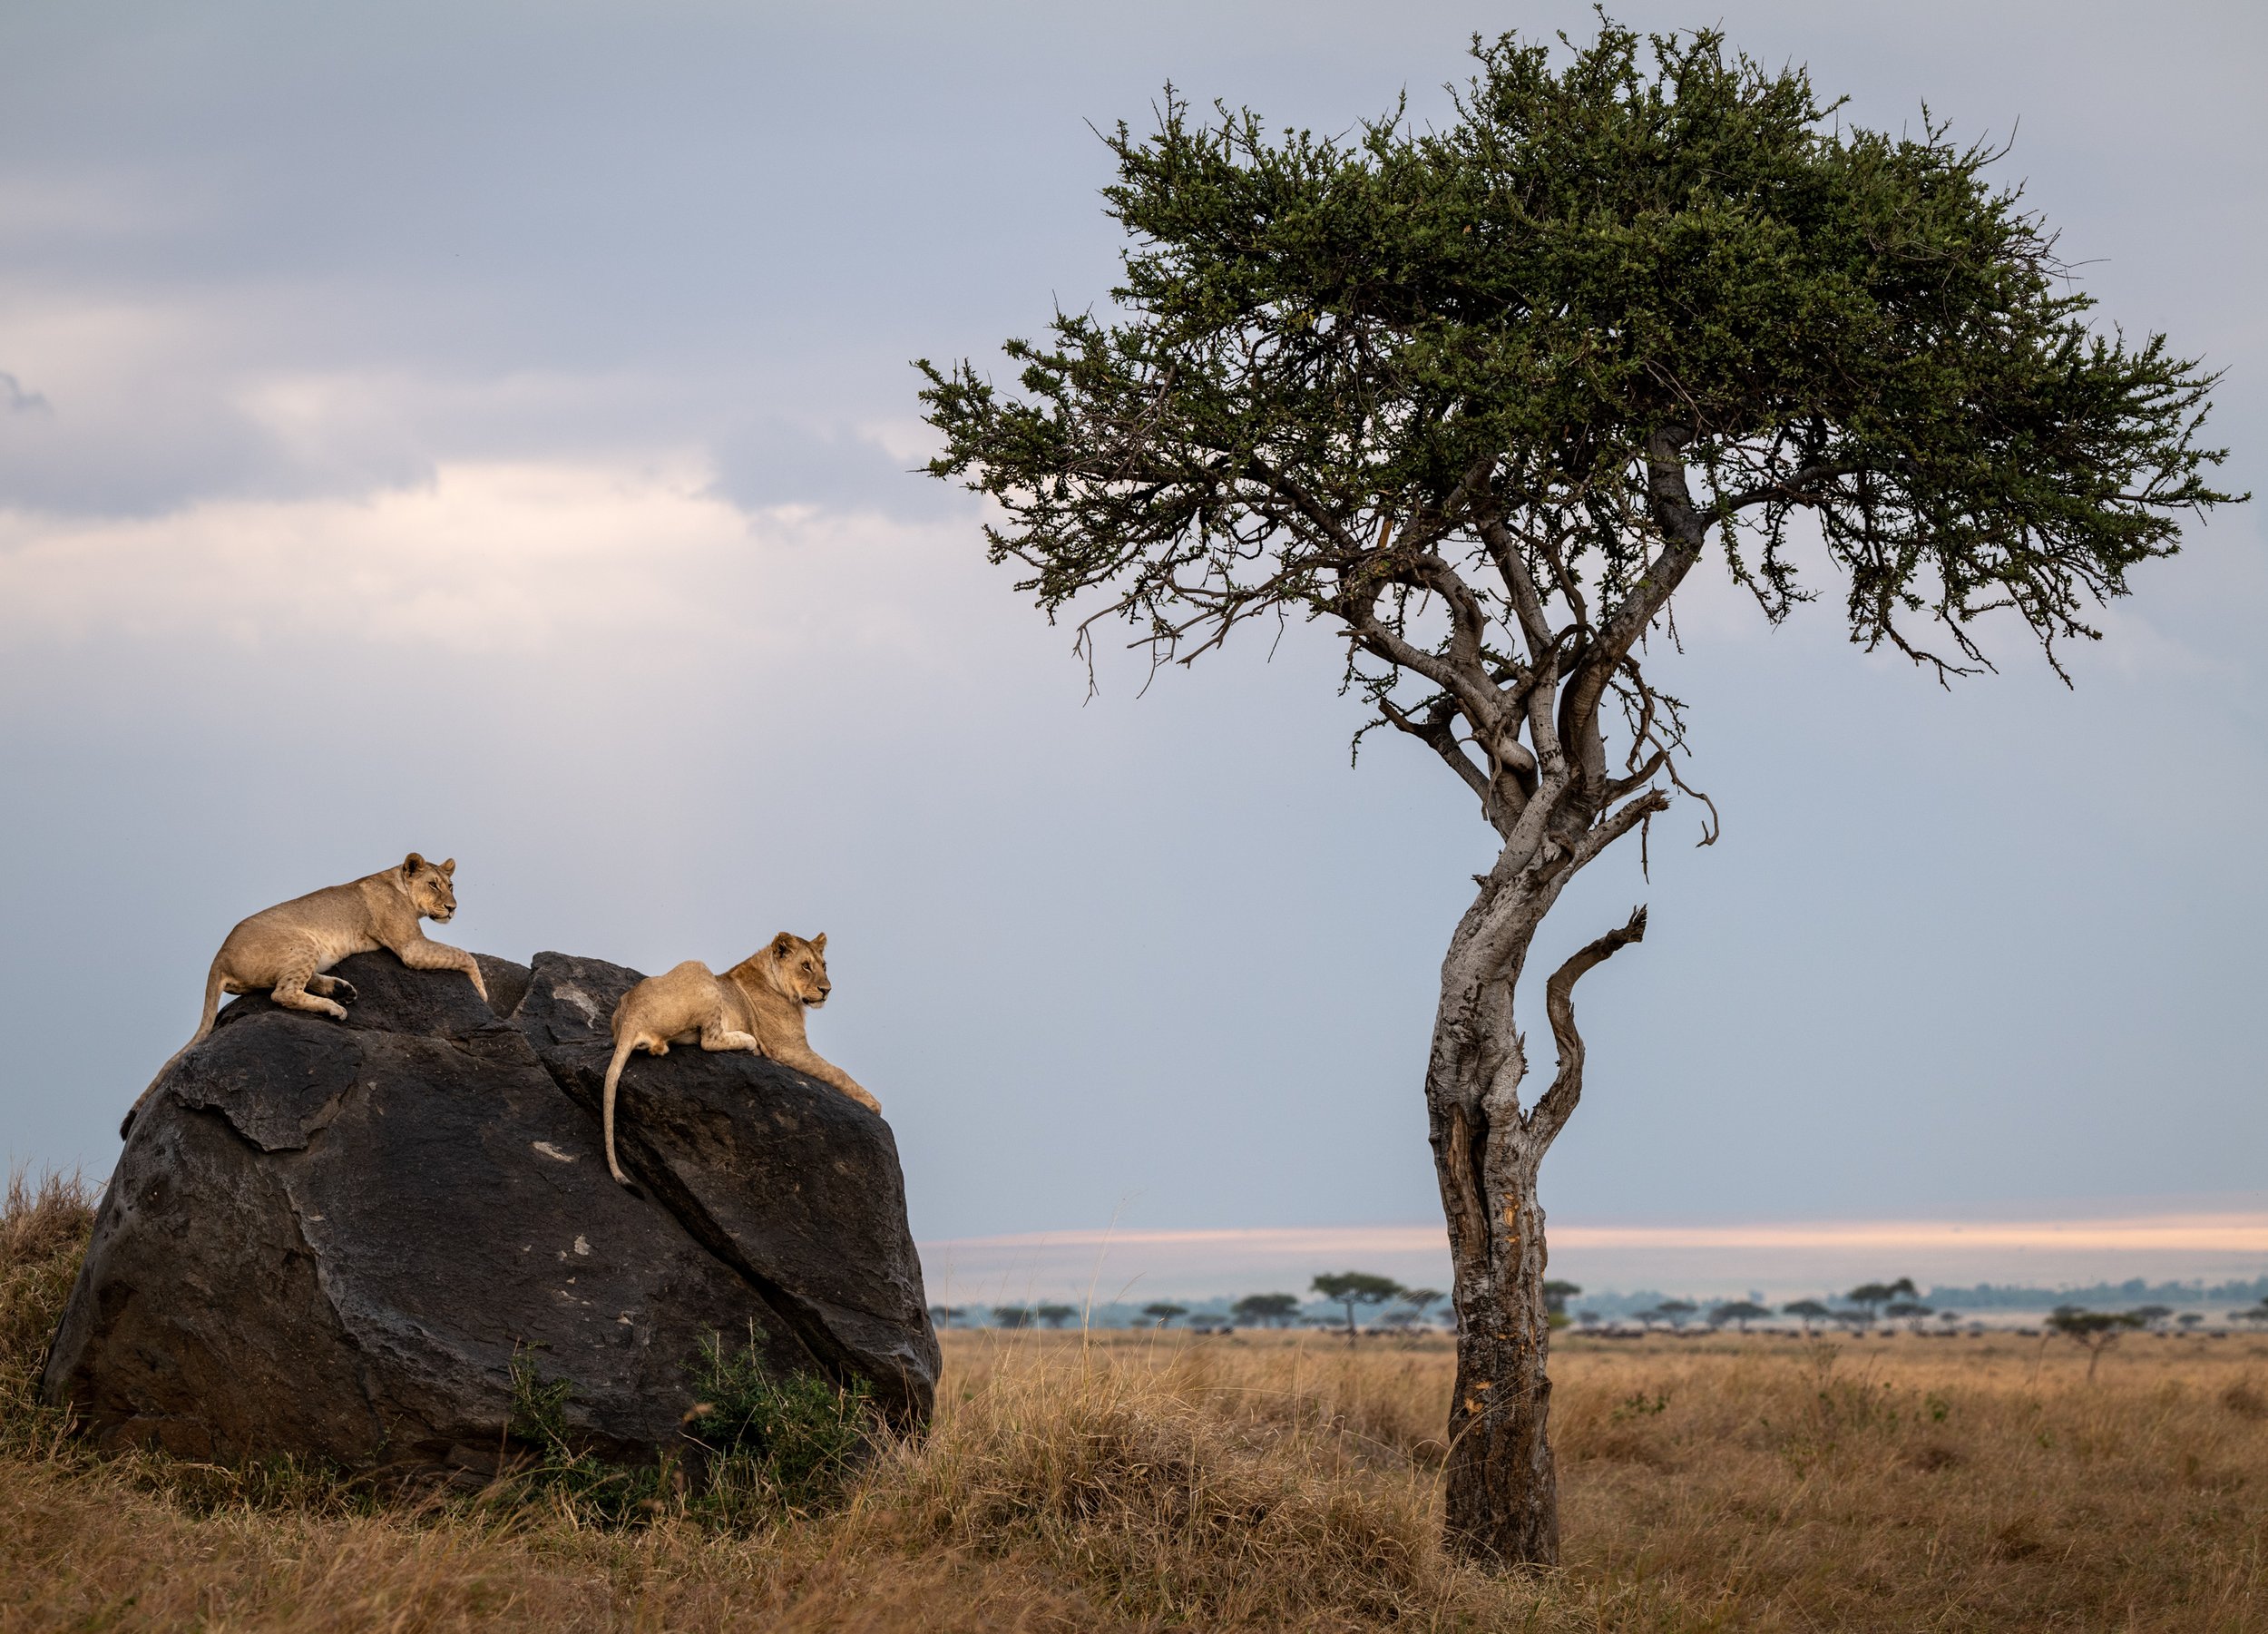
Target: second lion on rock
758	1005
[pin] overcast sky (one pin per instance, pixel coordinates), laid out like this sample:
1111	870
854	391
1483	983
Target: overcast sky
486	429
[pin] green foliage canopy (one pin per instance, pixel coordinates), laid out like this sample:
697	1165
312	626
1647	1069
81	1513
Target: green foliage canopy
1479	393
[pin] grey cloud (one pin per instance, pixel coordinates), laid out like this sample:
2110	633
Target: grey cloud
1171	949
169	449
778	460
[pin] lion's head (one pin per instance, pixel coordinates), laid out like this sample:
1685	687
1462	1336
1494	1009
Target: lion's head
429	889
798	968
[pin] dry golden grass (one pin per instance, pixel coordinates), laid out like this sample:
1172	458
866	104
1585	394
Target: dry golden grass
1133	1482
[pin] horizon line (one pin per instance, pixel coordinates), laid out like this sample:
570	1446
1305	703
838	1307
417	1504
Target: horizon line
2220	1230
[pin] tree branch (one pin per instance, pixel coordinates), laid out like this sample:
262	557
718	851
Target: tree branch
1475	693
1684	535
1557	1104
1629	816
1436	731
1512	567
1795	489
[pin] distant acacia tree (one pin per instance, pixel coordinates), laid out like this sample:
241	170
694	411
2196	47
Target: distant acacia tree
1276	1310
1420	1301
1909	1311
1557	1293
2190	1320
1351	1288
1012	1315
1055	1316
2151	1317
2093	1331
1482	397
1741	1312
1806	1311
1874	1294
1676	1312
1164	1311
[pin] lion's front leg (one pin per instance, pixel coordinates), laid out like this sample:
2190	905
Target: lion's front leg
812	1065
421	952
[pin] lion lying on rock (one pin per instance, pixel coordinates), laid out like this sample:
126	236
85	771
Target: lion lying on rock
758	1005
285	949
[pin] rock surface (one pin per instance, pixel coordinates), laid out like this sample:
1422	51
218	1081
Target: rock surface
338	1239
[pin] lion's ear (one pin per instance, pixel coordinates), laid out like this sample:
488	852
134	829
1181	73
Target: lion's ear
412	863
819	942
783	943
449	866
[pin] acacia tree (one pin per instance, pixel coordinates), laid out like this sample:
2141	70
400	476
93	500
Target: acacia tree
1873	1294
1481	399
1351	1288
1275	1309
2094	1332
1806	1311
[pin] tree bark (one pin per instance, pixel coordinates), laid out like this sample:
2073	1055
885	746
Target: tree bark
1502	1484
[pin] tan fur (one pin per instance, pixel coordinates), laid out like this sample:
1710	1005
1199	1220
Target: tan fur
285	949
758	1005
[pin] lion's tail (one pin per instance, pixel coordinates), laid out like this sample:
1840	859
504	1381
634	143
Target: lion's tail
204	1028
622	1047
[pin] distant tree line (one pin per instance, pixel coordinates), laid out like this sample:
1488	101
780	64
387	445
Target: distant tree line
1359	1295
1987	1296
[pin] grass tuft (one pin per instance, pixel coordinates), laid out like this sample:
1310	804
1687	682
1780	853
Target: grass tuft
43	1230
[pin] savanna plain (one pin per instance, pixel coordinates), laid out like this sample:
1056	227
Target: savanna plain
1262	1481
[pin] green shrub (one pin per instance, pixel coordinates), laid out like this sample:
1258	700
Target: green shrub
768	1446
789	1443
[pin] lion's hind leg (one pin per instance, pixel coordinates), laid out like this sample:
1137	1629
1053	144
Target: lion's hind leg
717	1037
298	974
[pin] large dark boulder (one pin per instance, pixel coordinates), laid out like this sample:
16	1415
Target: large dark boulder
340	1240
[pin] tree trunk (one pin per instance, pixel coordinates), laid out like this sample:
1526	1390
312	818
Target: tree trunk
1503	1489
1503	1494
1503	1486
